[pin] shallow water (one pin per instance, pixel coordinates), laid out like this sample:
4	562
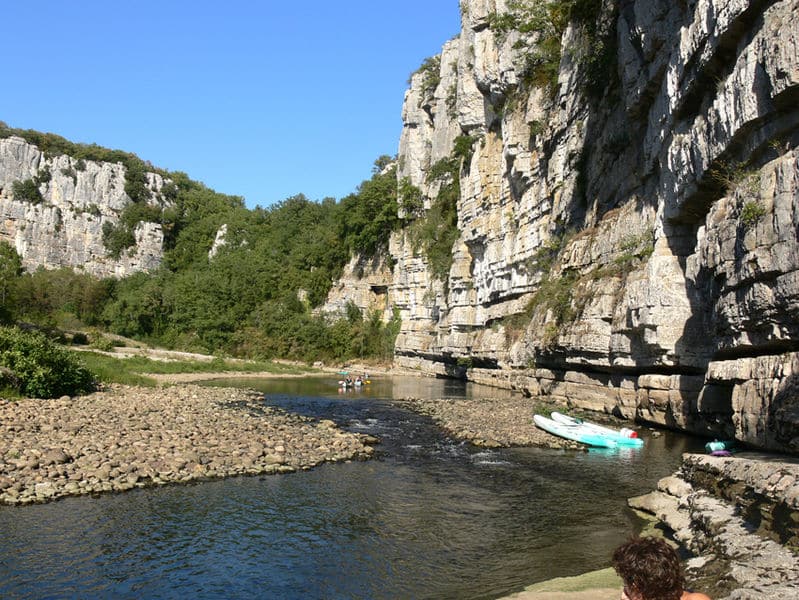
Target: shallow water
430	517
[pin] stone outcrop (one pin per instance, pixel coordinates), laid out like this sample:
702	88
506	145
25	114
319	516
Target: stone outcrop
78	197
627	234
739	517
364	284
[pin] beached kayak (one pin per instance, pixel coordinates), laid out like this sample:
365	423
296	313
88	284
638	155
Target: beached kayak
623	437
576	433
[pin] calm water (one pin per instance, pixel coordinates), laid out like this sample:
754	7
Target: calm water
429	518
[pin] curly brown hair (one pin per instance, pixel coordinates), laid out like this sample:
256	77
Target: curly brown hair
650	568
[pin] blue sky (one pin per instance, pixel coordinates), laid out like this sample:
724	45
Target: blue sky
258	99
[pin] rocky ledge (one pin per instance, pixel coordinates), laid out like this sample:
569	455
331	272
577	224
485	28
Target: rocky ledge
129	437
739	517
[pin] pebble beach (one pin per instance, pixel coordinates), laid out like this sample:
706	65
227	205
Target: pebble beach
490	422
125	437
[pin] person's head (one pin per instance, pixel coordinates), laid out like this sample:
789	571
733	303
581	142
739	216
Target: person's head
650	569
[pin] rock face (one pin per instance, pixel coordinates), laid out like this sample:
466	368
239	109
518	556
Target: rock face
627	234
364	283
65	229
739	517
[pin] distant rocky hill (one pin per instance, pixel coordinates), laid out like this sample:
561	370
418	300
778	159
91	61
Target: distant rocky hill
626	194
54	209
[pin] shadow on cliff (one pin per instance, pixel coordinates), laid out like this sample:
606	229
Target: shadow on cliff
783	414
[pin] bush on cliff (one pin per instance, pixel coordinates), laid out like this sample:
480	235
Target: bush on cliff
36	367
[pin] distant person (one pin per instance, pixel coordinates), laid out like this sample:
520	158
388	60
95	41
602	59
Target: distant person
651	570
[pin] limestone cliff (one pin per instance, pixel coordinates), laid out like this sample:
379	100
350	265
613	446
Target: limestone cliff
63	225
626	220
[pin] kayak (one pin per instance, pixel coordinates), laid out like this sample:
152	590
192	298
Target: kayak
576	433
623	437
719	445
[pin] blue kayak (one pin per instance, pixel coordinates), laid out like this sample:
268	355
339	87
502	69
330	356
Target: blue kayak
622	438
574	432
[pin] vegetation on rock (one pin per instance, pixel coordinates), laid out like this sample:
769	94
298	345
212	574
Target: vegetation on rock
542	25
437	230
751	212
26	191
431	74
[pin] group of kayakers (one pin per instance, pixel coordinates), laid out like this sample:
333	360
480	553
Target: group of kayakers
356	381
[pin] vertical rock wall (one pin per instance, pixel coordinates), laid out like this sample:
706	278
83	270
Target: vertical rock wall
624	229
65	229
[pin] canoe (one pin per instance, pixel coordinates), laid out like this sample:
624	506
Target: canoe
574	432
621	437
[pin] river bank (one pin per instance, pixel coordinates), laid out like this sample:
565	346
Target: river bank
124	438
735	519
128	437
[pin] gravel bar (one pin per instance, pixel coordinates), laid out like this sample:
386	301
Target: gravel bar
130	437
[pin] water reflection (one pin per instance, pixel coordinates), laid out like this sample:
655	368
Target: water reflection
431	518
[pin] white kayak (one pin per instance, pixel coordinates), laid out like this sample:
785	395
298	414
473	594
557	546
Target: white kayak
623	437
576	433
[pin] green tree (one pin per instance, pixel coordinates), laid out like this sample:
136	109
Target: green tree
46	296
369	216
10	271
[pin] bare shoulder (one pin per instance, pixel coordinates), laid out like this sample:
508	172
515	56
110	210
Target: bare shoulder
694	596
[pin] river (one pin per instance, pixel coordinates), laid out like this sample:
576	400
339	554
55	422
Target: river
429	517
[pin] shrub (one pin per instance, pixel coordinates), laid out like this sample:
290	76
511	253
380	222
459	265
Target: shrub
751	213
71	173
635	249
547	253
117	238
27	191
465	362
463	148
136	181
102	343
431	74
411	199
38	368
737	179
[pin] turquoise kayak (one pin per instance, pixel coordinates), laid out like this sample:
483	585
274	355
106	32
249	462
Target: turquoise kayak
621	437
576	433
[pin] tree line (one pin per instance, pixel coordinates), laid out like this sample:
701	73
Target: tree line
254	298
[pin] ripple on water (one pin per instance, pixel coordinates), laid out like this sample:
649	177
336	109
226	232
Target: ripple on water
488	458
